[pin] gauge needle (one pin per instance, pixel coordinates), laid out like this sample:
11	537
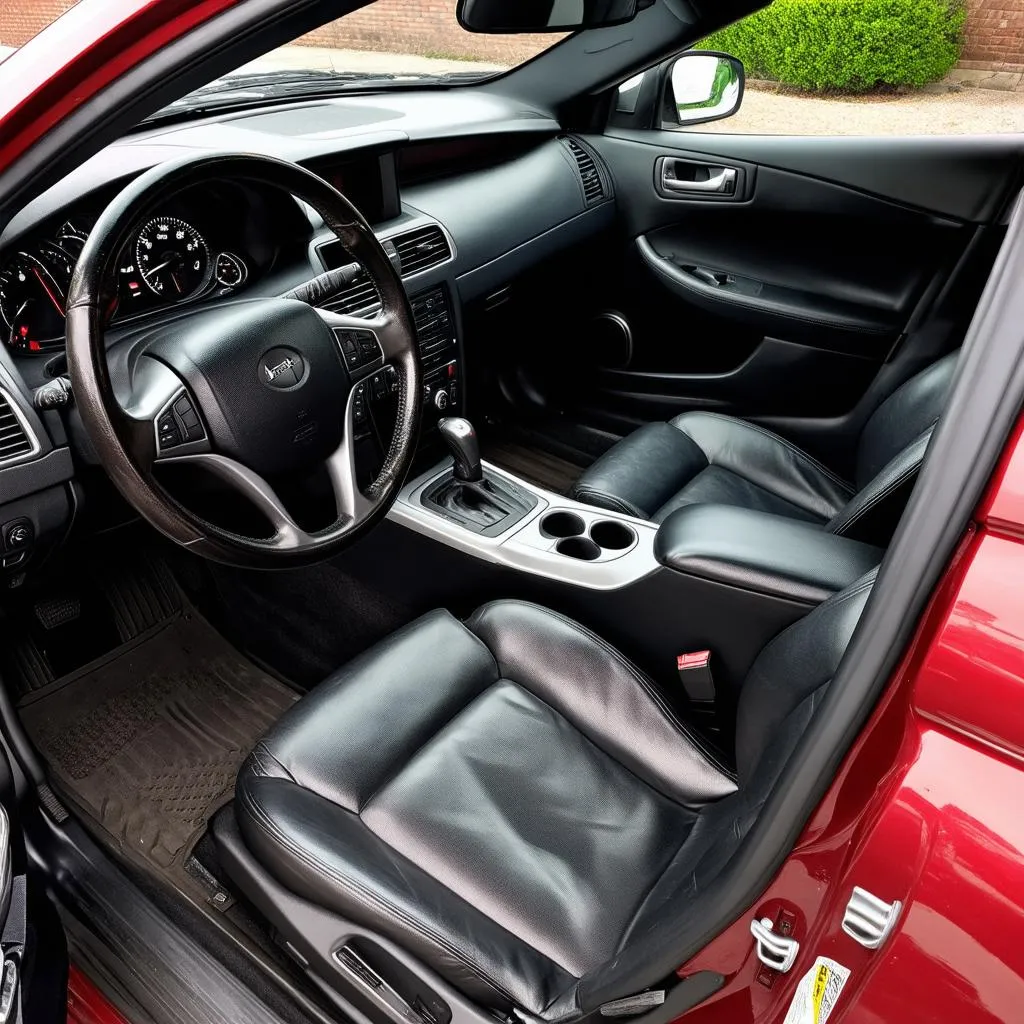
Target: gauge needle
49	291
14	321
160	266
177	283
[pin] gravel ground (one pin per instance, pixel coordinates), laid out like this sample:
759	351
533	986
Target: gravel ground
971	112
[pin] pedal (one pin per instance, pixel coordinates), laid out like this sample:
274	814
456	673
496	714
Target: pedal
58	611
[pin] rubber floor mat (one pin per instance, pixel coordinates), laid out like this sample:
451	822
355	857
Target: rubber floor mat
148	743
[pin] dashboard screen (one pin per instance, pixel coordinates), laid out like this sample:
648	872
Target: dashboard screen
368	182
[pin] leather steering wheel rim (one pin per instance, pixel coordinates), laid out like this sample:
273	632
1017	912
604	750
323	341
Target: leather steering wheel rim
125	440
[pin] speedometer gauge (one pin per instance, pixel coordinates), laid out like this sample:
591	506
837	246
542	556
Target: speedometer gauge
173	259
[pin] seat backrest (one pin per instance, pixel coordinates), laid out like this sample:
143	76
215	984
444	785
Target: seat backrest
788	679
780	695
891	449
910	411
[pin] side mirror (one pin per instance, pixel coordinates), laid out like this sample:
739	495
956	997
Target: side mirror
513	16
704	86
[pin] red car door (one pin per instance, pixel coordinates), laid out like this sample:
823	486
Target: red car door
924	816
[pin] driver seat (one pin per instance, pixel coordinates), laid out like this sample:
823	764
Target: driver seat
513	803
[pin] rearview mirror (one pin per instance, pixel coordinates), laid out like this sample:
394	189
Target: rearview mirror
511	16
705	86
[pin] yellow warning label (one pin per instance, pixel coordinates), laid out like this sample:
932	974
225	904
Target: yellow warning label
817	993
820	981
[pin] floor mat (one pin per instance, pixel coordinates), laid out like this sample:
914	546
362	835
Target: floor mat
148	742
83	617
537	467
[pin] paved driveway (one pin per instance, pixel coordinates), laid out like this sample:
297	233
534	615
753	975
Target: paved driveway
970	112
363	61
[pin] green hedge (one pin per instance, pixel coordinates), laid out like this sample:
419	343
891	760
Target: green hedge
847	45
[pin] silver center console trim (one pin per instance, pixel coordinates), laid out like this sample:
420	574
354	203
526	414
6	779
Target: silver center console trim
525	546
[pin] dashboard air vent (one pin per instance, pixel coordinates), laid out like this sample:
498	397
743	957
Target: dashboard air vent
422	249
590	176
14	441
360	298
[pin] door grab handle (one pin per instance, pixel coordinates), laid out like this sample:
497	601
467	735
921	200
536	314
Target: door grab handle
723	182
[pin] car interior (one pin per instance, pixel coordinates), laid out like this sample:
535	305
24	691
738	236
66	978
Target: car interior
432	518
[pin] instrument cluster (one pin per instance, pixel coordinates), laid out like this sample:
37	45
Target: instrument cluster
167	261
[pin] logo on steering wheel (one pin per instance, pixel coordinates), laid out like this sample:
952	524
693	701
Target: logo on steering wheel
282	368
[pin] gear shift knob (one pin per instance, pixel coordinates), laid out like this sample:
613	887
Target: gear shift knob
461	439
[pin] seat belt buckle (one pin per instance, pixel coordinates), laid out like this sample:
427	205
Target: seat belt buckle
694	670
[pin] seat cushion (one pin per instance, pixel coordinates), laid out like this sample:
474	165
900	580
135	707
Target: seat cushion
705	457
498	797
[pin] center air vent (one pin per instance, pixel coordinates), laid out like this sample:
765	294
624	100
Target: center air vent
590	176
422	249
14	439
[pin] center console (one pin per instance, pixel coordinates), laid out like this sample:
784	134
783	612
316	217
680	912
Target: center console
710	577
439	353
553	538
443	394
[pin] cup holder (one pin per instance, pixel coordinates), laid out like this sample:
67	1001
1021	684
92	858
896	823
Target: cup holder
578	547
563	524
611	535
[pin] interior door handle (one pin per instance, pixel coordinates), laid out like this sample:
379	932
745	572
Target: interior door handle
724	182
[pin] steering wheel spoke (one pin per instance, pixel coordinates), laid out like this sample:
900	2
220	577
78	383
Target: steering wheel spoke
349	500
352	506
161	417
366	343
248	483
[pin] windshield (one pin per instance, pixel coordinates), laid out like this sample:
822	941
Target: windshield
388	42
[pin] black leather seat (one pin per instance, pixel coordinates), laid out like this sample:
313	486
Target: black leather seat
512	802
702	457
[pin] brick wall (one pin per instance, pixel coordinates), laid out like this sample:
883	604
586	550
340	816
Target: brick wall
20	20
401	26
994	35
994	32
422	26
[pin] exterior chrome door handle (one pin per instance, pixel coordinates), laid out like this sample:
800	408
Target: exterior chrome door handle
723	182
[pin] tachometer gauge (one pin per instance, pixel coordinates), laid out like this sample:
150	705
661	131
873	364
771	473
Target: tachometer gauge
172	258
230	270
33	289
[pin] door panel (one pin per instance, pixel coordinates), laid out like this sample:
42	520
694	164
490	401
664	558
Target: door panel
961	177
777	294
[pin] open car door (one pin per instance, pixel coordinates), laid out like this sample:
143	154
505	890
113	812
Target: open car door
33	978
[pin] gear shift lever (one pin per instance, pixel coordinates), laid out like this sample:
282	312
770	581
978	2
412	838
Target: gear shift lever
461	438
484	505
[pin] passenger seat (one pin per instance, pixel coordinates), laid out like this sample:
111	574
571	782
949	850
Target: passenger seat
705	457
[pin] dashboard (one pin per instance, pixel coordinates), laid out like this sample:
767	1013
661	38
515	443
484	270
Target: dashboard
468	190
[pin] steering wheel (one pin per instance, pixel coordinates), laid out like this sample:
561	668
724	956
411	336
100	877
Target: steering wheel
249	388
